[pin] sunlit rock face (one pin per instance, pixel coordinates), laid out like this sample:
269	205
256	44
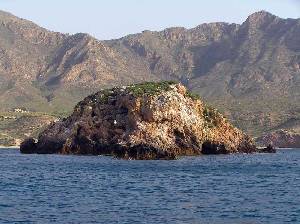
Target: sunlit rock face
143	121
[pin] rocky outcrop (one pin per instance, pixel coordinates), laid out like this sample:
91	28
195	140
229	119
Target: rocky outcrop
142	121
268	149
281	139
28	146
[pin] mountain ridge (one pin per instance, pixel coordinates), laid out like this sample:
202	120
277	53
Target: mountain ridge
250	71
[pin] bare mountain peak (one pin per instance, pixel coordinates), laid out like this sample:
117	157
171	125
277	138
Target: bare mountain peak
83	36
261	14
261	17
4	15
18	25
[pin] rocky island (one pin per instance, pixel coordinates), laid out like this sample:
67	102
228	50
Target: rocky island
143	121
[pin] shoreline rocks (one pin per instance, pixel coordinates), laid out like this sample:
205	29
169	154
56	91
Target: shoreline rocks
281	139
142	121
268	149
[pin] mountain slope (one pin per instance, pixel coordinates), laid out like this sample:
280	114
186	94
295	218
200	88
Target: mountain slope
249	71
41	70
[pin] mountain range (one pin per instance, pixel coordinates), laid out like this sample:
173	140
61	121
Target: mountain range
250	71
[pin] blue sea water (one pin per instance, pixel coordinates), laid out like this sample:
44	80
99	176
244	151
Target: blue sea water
257	188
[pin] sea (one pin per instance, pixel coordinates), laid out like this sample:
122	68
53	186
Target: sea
240	188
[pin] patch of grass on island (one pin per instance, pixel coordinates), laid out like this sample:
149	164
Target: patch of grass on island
150	88
193	96
137	90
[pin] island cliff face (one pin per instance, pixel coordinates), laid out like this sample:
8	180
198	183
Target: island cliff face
142	121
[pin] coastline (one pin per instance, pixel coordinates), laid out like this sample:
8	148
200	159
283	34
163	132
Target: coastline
18	146
9	147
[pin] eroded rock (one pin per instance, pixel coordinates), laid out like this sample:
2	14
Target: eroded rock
143	121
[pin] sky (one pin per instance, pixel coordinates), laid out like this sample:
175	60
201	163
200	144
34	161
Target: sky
109	19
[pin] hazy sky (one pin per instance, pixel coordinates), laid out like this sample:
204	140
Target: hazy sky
106	19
